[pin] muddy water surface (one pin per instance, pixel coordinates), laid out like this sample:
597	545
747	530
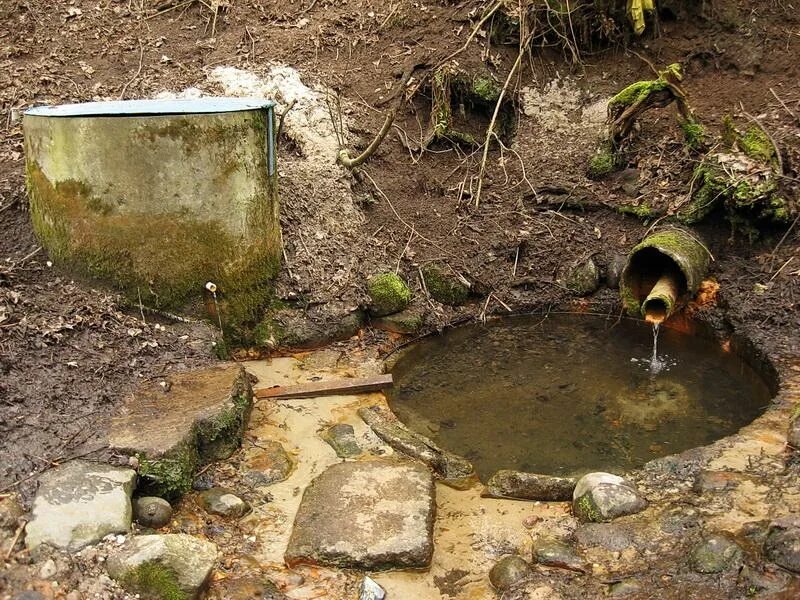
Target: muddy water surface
570	394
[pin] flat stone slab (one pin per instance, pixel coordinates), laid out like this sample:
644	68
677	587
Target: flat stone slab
79	503
192	419
370	515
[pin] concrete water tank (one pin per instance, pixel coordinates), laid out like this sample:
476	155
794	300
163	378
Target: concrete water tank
158	197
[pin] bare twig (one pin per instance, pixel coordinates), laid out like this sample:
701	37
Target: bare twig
283	118
490	131
786	108
136	75
16	538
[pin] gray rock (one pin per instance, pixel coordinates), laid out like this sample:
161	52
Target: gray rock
600	497
609	536
405	322
715	554
551	552
342	439
624	588
48	569
446	465
509	571
583	278
529	486
29	595
151	511
370	590
79	503
222	501
195	418
369	515
309	328
267	464
178	560
794	433
783	544
614	269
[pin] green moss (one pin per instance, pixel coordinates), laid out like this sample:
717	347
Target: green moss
486	89
602	162
388	294
694	134
640	90
444	288
153	581
757	145
643	211
586	510
164	260
168	476
220	437
711	191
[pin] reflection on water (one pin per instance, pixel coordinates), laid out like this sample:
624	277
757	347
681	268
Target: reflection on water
569	394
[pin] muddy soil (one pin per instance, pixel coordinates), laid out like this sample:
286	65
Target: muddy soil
70	350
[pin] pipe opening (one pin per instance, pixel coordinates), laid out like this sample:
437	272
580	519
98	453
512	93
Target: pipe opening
656	282
655	310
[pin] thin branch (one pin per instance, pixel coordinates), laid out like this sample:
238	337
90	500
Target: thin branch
138	72
343	157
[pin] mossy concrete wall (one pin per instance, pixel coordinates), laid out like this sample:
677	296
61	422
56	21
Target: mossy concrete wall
159	205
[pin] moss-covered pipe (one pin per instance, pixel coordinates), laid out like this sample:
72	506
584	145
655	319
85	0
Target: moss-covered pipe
662	270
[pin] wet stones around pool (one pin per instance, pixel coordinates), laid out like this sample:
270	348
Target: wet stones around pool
79	503
782	545
444	285
222	501
529	486
509	571
552	552
372	515
173	427
715	553
601	497
341	437
164	566
153	512
452	469
608	536
717	481
267	463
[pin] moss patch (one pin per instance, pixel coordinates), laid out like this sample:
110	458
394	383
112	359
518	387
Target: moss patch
388	294
694	134
757	145
586	510
602	162
444	288
153	581
170	476
221	436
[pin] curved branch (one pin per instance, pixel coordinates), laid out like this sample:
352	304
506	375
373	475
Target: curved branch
343	157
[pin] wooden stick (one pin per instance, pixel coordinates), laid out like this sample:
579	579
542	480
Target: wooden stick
16	539
336	387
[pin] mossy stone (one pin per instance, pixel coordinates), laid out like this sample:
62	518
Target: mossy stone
583	278
154	581
388	294
444	288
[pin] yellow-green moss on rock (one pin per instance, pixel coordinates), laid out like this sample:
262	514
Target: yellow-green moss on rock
444	288
153	581
388	294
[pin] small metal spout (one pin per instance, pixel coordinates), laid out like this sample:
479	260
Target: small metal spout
660	302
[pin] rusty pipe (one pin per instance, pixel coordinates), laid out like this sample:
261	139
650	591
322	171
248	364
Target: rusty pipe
660	302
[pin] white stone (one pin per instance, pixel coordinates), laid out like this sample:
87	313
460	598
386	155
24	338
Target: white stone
79	503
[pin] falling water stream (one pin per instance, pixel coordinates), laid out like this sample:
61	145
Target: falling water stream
656	365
